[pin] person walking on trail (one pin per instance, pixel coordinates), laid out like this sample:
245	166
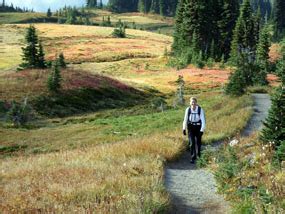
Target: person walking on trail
194	121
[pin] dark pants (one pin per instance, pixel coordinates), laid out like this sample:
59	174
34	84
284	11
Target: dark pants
195	136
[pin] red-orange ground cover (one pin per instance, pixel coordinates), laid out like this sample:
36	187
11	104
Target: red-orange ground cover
32	82
205	78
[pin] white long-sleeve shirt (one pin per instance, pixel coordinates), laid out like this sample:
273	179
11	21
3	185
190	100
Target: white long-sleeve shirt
194	117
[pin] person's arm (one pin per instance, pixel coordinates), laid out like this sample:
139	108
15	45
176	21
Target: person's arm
185	119
203	125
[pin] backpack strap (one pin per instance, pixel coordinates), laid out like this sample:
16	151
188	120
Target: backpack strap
189	112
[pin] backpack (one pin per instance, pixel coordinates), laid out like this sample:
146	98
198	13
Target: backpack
189	112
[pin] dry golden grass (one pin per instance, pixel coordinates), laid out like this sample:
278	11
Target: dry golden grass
89	43
124	176
116	178
11	41
139	18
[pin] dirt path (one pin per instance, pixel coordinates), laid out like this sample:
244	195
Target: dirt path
193	190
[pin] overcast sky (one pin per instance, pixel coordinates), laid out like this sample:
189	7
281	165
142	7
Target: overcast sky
43	5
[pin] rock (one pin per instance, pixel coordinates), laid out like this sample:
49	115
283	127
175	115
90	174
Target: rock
234	142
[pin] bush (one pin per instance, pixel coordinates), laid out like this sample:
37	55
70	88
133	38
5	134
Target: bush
237	84
19	114
119	32
279	155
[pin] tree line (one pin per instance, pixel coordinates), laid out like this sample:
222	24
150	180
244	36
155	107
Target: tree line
162	7
6	8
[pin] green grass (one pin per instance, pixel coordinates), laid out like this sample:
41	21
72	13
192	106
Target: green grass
121	124
12	18
84	100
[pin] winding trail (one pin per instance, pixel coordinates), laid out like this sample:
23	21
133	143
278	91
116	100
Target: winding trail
194	190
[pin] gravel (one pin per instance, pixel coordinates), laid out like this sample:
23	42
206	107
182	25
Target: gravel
194	190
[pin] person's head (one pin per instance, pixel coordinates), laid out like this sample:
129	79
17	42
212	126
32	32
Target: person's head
193	102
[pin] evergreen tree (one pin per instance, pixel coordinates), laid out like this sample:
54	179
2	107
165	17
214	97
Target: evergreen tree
41	57
262	55
274	126
71	17
162	7
123	5
244	37
30	56
119	32
237	83
154	8
179	42
100	4
279	18
49	13
91	3
226	24
142	6
54	79
61	61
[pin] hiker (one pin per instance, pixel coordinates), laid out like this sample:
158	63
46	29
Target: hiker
194	121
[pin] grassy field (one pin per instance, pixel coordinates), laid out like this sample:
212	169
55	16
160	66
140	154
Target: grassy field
82	43
9	18
107	160
132	152
10	48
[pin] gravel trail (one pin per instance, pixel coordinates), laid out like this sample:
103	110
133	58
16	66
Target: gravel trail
194	190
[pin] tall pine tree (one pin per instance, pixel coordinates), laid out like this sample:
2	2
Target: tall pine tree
262	56
54	79
274	126
245	35
279	18
30	56
91	3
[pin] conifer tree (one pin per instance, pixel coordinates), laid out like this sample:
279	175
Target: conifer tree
100	4
61	61
49	13
274	126
179	42
54	79
262	56
91	3
71	17
162	7
279	18
142	6
244	37
41	57
226	24
30	56
154	8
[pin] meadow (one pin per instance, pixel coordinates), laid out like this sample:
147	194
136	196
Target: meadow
108	158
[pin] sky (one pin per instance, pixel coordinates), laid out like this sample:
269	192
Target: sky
43	5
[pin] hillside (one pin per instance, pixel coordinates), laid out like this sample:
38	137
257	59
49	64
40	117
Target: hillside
101	143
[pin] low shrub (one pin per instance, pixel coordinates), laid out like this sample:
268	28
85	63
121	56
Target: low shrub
19	113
